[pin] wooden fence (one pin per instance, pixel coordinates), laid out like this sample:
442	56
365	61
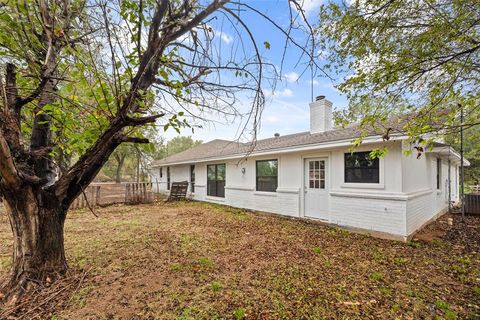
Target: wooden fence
90	197
101	194
138	192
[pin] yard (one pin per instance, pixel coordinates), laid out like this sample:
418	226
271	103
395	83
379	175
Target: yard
202	261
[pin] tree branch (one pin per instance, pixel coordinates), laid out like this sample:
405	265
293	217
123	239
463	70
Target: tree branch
7	167
135	140
142	120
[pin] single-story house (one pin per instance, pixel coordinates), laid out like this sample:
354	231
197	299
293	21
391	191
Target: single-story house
315	175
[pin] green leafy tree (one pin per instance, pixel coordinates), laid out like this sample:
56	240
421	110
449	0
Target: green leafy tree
79	78
471	147
397	56
179	144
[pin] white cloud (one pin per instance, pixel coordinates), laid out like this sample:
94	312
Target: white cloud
279	93
314	82
271	119
225	37
311	6
291	76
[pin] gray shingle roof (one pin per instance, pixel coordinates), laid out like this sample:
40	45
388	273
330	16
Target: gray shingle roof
219	148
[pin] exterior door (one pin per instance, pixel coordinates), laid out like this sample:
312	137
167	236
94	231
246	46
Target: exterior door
316	188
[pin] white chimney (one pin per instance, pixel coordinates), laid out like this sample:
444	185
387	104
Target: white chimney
320	115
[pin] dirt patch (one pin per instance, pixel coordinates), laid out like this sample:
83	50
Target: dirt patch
202	261
463	231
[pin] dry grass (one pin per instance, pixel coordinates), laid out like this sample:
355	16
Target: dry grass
202	261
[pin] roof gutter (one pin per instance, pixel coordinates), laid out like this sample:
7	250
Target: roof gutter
449	153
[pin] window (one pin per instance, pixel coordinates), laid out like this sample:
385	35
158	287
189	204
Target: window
361	168
168	178
267	175
161	172
216	180
316	174
439	172
192	178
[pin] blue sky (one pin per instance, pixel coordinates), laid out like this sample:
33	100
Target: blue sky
286	110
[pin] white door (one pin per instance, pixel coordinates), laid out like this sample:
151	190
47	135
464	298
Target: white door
316	188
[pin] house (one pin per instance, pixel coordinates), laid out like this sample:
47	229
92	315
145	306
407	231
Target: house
315	175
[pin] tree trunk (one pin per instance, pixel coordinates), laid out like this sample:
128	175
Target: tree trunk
37	222
120	161
138	165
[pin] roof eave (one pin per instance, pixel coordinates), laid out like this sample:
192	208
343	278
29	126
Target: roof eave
297	148
450	153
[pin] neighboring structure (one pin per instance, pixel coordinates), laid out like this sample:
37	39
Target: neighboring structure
315	175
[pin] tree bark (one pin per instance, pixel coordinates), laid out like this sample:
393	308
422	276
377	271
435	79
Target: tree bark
37	222
120	161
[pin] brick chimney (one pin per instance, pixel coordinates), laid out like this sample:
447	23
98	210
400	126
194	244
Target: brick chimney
321	119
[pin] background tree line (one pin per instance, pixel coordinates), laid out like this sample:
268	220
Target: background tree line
132	162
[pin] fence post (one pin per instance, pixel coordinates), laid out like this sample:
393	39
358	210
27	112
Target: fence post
127	193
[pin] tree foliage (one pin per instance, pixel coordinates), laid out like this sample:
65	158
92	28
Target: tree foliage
132	162
471	147
179	144
81	77
400	56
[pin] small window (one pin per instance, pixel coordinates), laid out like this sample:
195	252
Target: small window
439	173
168	178
267	175
161	172
361	168
192	178
316	174
216	180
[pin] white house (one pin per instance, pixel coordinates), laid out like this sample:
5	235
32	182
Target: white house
315	175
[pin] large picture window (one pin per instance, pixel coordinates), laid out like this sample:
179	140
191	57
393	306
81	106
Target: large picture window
267	175
216	180
361	168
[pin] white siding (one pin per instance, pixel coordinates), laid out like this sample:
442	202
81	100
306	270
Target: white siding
420	209
285	203
404	200
382	215
425	201
416	172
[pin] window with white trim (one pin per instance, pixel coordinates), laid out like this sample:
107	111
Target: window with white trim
267	175
361	168
216	180
316	174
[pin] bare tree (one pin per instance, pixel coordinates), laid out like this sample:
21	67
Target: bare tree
81	76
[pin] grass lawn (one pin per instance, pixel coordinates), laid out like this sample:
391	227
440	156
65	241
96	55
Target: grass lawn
202	261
